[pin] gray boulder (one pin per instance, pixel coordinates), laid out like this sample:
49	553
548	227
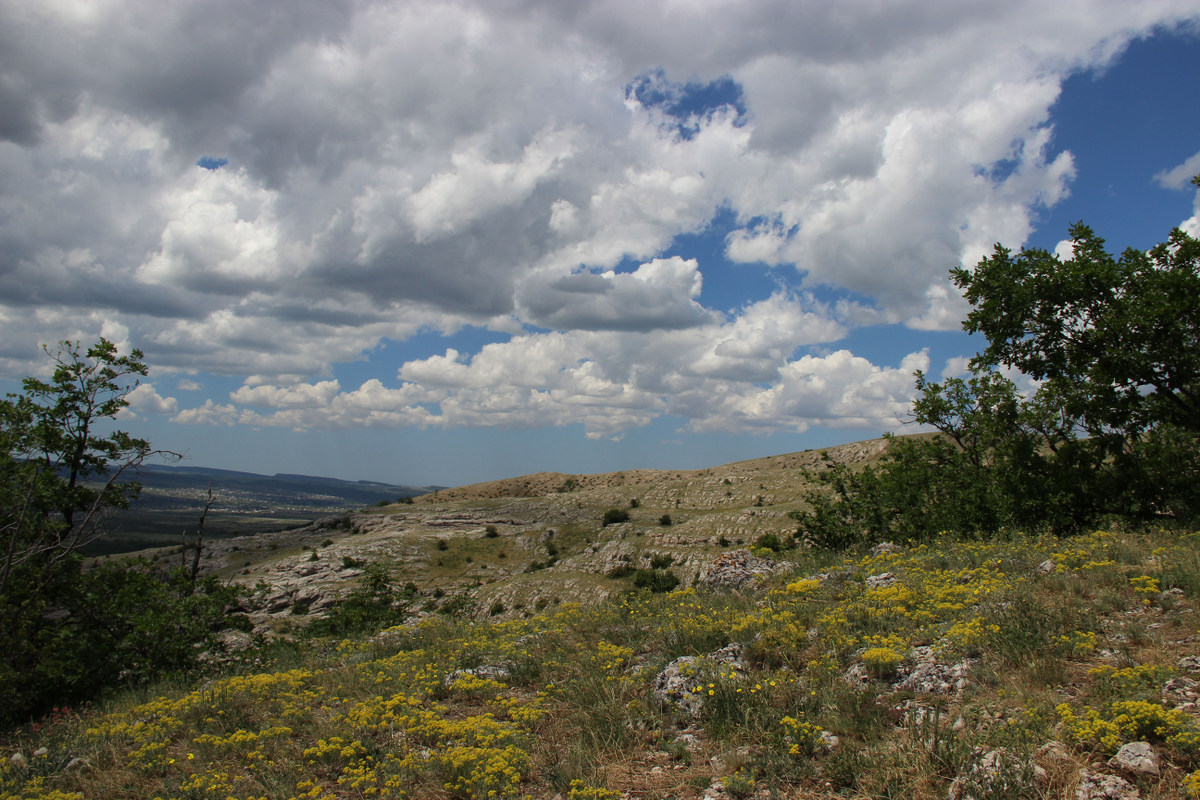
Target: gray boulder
1100	786
1136	758
734	570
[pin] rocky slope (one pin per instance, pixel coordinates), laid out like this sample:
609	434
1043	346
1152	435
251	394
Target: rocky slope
512	546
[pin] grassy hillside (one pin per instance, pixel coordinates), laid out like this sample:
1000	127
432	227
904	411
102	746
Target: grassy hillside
1006	669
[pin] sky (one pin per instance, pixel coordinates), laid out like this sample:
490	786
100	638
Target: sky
446	242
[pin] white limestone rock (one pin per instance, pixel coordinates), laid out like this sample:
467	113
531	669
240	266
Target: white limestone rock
1101	786
1136	758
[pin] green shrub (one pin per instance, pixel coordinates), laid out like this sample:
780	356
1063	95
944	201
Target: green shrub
373	604
770	541
664	520
458	606
117	625
657	581
615	516
300	608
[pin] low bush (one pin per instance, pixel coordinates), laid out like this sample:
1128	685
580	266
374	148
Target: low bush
656	580
615	516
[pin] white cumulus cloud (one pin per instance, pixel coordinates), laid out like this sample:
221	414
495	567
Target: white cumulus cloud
247	193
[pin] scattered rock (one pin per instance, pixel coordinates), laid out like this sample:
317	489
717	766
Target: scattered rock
678	683
495	672
836	577
885	547
996	773
857	676
1183	694
1172	595
1046	567
930	676
675	685
1053	753
1190	664
881	580
1100	786
915	714
920	672
731	655
1136	758
734	570
235	641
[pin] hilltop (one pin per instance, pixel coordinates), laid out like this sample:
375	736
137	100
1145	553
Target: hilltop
525	542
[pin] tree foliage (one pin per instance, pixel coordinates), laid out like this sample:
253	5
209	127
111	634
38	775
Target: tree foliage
1117	338
62	476
66	632
1112	347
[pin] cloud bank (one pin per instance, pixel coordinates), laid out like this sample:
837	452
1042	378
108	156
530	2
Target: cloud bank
266	191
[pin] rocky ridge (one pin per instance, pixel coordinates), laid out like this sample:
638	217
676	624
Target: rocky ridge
520	544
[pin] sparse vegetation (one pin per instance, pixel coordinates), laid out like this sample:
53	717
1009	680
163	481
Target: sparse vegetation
575	694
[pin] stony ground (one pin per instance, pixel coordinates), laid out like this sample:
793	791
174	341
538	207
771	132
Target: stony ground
525	543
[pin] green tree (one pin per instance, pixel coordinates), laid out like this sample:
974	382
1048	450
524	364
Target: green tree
62	476
1117	338
66	632
1115	345
1113	348
373	604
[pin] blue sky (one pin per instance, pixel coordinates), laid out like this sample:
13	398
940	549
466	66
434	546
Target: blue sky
449	242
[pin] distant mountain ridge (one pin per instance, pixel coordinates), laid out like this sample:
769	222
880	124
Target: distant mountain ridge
166	477
173	497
